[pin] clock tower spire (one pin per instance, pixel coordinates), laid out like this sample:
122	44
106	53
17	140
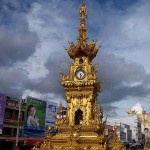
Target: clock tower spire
82	38
83	48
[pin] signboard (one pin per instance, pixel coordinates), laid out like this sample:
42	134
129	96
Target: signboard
35	117
51	107
2	110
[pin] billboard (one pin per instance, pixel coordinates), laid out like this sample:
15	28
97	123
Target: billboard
38	116
51	107
35	113
2	110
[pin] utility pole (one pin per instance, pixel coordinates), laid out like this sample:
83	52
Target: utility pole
18	123
144	118
120	132
20	102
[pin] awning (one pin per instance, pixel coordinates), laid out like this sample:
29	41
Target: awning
33	141
8	139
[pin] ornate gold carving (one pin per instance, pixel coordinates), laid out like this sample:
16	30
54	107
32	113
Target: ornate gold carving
116	144
144	119
82	48
82	128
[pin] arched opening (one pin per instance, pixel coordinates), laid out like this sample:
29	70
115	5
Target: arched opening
80	61
78	117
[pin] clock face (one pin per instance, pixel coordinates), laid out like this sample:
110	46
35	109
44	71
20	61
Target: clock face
80	74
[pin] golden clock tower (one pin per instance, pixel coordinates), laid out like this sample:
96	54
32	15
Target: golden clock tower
82	128
81	83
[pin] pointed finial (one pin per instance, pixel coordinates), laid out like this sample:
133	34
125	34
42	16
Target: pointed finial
60	71
82	38
143	111
82	12
115	127
60	109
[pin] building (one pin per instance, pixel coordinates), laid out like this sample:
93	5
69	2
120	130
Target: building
128	131
121	133
14	131
108	130
10	137
124	132
132	126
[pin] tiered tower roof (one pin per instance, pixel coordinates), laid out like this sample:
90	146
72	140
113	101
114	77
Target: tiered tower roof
83	48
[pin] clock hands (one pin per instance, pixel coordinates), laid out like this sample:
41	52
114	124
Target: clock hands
80	75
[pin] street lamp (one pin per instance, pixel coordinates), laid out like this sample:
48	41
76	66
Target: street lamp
144	118
146	135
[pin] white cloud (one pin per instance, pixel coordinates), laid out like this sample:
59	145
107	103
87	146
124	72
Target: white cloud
44	96
130	38
51	28
124	33
33	93
138	108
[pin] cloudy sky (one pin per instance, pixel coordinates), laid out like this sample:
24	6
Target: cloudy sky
33	34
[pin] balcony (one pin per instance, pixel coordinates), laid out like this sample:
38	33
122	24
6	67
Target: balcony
15	105
8	122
